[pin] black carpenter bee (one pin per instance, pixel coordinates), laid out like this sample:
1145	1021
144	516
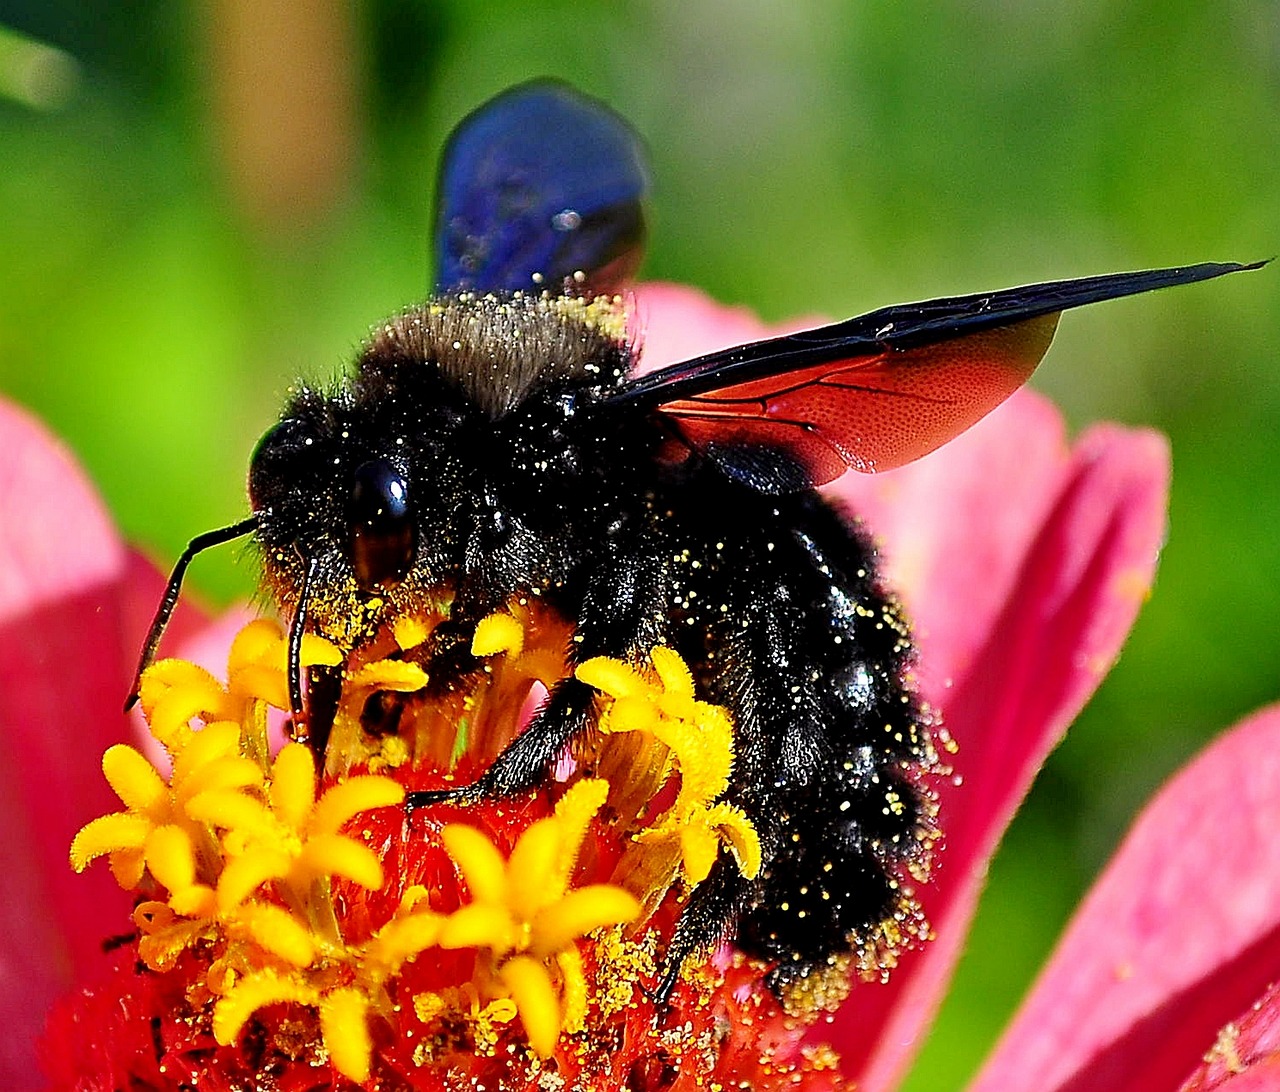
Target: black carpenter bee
496	441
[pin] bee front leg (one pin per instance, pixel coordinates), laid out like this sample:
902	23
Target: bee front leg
620	614
525	761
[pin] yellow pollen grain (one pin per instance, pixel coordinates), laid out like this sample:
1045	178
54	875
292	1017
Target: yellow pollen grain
427	1006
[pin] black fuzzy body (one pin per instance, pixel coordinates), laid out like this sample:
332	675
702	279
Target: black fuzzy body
524	480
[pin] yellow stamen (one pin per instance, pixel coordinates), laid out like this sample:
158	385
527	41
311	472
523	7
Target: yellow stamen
479	926
293	785
578	913
498	633
700	737
337	855
278	931
343	801
397	675
108	834
134	780
403	938
481	864
535	997
344	1026
253	992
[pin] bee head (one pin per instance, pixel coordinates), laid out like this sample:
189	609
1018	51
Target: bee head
338	493
454	443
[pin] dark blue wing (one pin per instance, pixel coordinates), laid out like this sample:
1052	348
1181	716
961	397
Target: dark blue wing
537	185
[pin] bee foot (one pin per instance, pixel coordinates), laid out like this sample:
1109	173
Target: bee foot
459	795
661	993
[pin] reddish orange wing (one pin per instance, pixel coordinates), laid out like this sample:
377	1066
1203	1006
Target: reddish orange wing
874	412
877	391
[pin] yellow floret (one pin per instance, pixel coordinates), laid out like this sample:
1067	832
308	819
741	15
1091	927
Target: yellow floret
523	912
700	737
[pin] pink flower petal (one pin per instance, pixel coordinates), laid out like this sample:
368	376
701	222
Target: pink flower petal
56	539
60	563
672	323
1179	935
1075	588
68	595
955	526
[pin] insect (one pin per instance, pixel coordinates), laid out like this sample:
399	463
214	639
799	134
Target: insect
496	441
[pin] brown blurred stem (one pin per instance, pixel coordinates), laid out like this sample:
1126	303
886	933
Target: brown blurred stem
284	105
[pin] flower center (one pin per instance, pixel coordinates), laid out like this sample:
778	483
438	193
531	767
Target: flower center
293	918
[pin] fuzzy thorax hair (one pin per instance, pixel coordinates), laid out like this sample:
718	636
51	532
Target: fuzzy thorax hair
499	350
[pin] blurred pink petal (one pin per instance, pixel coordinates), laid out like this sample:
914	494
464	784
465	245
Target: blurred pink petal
1178	937
675	323
69	630
1073	582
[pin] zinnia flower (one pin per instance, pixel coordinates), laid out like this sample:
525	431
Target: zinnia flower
289	923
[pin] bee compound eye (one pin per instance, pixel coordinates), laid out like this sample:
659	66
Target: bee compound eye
384	535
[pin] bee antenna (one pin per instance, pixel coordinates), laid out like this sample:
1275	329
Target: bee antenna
296	631
172	590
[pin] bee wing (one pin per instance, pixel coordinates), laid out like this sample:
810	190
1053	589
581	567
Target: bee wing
537	185
873	392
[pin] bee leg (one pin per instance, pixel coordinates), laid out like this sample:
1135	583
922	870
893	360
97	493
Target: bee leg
448	654
524	762
324	688
619	614
712	907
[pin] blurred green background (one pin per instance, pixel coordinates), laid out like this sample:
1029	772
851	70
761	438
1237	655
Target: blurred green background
198	203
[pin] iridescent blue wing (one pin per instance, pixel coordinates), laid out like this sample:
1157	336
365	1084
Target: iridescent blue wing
538	185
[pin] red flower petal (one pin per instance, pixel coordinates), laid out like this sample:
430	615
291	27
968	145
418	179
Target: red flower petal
1179	935
1246	1055
1070	585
